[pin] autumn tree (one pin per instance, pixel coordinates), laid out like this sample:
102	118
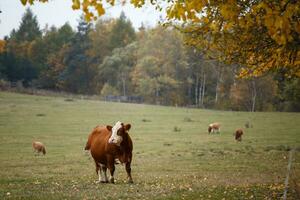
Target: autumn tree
78	73
99	49
19	62
55	43
261	35
292	96
116	69
2	58
253	94
161	68
122	33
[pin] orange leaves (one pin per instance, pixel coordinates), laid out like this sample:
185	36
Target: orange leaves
262	37
229	10
262	34
177	11
2	46
137	3
279	19
24	2
186	10
91	8
76	4
100	9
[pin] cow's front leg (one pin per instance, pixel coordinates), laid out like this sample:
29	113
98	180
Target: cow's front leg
128	170
101	171
104	177
111	167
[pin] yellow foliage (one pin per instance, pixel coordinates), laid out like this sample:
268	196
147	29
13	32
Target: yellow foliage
2	46
100	9
24	2
236	31
76	4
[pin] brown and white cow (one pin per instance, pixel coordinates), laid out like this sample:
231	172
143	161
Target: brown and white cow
214	127
38	147
106	144
238	134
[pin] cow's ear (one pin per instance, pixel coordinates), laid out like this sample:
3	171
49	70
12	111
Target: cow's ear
127	127
109	127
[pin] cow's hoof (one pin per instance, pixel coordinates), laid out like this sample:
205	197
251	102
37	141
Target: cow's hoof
130	181
101	181
112	180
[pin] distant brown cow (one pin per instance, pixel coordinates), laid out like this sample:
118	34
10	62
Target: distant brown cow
38	147
238	134
107	144
214	127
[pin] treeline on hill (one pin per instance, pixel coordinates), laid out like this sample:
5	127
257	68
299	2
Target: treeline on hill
111	58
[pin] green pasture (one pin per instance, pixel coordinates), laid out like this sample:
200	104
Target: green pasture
173	158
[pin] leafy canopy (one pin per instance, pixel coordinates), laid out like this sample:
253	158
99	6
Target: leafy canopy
261	35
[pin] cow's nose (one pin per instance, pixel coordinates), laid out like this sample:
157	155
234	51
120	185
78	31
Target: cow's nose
111	140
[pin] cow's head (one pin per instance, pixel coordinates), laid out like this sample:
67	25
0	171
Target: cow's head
209	128
118	132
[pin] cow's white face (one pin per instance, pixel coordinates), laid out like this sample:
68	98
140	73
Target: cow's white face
115	138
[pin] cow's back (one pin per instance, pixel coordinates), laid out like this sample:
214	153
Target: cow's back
97	142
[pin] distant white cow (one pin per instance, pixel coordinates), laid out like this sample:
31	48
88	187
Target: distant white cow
214	128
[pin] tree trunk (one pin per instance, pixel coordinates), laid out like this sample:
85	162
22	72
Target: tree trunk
200	93
219	71
189	83
196	90
254	92
217	92
124	87
156	94
203	89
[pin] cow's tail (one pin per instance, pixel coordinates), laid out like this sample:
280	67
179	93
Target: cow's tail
88	143
44	150
87	146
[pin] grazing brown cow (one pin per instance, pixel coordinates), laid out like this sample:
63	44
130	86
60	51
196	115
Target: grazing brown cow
214	127
38	147
238	134
107	144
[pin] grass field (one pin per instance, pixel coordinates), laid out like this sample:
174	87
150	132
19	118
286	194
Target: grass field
174	156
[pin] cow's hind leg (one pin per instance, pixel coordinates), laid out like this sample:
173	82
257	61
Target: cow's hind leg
128	170
111	167
98	172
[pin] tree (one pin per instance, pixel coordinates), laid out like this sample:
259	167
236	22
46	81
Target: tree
261	35
78	74
115	69
55	43
122	33
254	94
20	60
2	46
100	40
161	68
29	29
99	49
